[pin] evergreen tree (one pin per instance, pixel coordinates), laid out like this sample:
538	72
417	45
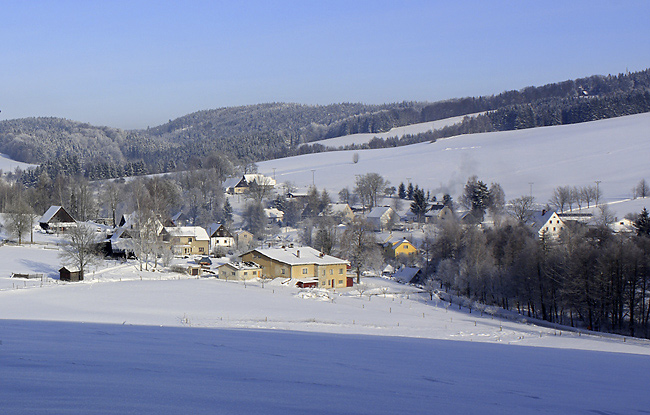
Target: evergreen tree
401	191
227	211
642	223
409	191
419	204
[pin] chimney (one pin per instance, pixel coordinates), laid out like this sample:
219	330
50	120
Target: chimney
298	253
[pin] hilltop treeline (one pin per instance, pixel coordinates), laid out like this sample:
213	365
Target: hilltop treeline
257	132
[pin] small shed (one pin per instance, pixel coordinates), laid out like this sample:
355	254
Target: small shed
307	283
70	274
194	270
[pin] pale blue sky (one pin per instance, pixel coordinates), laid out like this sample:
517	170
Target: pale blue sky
133	64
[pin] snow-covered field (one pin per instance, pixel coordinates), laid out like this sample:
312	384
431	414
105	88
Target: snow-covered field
9	165
398	132
614	151
130	341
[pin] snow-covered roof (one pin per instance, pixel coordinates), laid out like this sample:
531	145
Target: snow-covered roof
241	265
259	179
274	213
186	231
231	182
406	274
342	208
50	213
539	218
300	256
378	212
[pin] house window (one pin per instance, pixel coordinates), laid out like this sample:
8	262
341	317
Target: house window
189	240
304	270
340	282
282	271
245	272
331	272
340	270
254	272
200	249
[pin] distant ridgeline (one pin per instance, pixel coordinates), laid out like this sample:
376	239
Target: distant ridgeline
266	131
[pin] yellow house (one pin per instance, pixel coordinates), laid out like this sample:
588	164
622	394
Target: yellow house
401	248
239	271
187	240
300	263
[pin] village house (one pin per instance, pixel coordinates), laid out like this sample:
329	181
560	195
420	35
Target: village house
408	275
239	271
220	237
342	211
400	248
274	216
56	219
301	263
240	185
624	225
187	240
382	218
243	239
546	224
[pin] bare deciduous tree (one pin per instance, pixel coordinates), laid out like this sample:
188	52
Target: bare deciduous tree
358	245
521	208
19	219
368	187
80	247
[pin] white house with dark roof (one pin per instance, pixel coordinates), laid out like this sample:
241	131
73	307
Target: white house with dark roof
546	223
220	236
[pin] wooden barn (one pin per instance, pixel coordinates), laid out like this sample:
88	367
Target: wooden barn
70	274
56	219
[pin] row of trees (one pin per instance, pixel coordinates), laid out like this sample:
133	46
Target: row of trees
589	276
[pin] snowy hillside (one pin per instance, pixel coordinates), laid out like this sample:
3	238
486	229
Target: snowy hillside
9	165
614	151
169	344
398	132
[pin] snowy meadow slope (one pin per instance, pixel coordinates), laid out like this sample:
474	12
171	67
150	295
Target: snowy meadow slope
613	151
130	341
399	132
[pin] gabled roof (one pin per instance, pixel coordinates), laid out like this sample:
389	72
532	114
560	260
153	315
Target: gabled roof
406	274
274	213
342	208
260	179
218	230
378	212
539	218
241	265
196	232
54	211
299	256
231	182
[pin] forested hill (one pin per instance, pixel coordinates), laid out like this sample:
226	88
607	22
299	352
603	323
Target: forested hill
264	131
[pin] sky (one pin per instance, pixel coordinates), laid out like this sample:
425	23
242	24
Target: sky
134	64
